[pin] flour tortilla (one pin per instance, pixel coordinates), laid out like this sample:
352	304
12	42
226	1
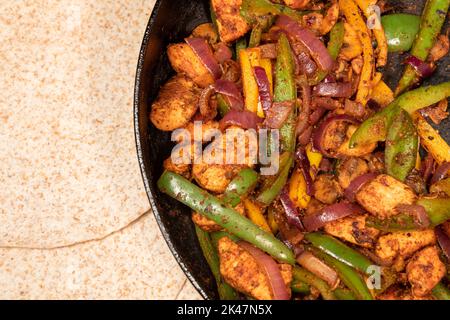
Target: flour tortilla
69	171
131	264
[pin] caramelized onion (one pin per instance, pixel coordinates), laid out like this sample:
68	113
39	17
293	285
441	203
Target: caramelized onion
204	52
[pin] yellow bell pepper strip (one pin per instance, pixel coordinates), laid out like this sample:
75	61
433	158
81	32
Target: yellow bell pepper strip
271	220
226	292
441	186
431	140
351	13
433	18
215	209
297	184
254	213
402	145
286	90
378	31
374	129
248	59
382	94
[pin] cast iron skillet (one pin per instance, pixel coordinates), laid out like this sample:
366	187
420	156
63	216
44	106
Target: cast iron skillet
170	22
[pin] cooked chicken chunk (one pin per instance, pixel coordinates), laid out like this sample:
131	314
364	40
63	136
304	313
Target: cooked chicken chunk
206	31
176	104
242	272
396	293
350	169
214	177
184	60
210	226
353	229
425	270
440	49
381	195
230	23
181	169
403	244
327	189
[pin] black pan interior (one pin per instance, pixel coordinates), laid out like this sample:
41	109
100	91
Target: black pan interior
171	21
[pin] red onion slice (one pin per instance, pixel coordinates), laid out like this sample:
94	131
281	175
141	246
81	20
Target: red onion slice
231	92
316	48
263	87
244	119
207	110
321	131
271	268
277	114
292	214
222	53
305	168
443	240
268	51
204	52
313	264
441	172
422	68
330	213
356	184
334	90
421	218
427	166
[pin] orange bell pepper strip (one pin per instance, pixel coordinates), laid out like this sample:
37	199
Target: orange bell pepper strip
354	18
378	31
255	214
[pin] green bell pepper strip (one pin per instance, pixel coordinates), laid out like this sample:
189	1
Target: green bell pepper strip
217	235
441	292
251	10
400	30
285	90
240	187
374	129
214	209
339	251
303	275
222	105
334	46
438	210
349	276
226	292
402	143
433	18
241	44
255	36
267	196
300	287
344	294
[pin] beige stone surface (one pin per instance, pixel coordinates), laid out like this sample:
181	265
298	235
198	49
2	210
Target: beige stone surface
69	178
68	162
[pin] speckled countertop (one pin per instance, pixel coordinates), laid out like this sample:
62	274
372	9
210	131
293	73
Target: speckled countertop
67	148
